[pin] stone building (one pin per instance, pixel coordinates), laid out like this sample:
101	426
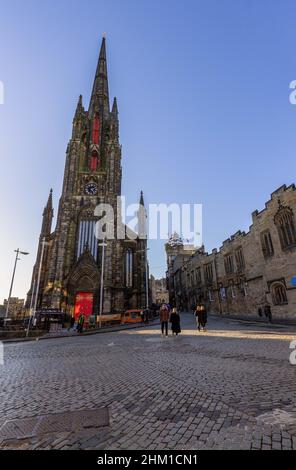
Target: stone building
159	291
177	256
72	254
16	307
250	269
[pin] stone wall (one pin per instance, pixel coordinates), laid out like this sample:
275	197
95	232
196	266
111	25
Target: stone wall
242	276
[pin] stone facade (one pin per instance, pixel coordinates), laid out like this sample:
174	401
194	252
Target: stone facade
249	271
72	255
15	309
159	291
177	256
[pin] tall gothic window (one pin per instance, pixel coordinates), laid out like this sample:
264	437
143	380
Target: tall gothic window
129	268
279	294
211	295
239	259
86	238
266	244
284	221
209	273
198	275
228	263
96	130
244	288
94	160
232	291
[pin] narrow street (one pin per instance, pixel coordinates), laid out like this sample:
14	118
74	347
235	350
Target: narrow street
231	387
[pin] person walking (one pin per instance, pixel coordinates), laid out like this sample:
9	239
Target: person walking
146	315
164	319
142	316
175	321
72	323
201	316
80	323
267	312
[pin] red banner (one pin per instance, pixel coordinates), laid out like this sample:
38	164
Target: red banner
83	305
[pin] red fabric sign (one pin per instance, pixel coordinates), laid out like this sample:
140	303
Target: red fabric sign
83	305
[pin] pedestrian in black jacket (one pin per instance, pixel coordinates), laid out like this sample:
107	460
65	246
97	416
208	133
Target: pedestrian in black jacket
201	317
175	321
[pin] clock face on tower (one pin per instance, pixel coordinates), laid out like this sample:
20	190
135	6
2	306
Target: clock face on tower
91	189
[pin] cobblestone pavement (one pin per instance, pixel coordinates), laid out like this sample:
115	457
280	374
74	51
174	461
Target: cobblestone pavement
231	387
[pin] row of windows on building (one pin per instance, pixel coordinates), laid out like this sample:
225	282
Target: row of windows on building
230	292
278	289
284	221
195	277
278	293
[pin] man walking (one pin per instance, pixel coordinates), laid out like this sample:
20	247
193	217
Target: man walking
164	319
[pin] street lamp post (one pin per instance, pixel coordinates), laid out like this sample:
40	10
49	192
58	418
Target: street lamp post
103	245
147	283
18	252
31	305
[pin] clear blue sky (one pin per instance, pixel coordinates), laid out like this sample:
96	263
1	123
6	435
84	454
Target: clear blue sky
202	87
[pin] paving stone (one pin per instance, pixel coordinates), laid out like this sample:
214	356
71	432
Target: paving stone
161	394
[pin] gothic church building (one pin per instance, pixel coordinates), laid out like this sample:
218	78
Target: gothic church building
71	255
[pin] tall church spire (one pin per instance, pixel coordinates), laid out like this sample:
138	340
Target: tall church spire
47	217
115	108
142	219
99	101
79	107
142	199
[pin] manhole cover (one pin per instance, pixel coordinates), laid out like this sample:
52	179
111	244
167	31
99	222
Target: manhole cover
280	417
55	423
18	428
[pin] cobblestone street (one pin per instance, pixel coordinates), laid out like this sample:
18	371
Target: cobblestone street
231	387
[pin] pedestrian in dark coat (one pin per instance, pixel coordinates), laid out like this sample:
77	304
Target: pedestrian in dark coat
164	318
201	316
80	323
72	323
267	312
175	321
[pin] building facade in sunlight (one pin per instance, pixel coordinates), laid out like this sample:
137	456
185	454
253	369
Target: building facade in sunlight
72	255
250	270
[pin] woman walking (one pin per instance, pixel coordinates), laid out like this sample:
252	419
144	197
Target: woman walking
175	321
201	317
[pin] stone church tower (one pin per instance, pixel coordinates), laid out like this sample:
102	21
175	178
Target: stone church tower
72	255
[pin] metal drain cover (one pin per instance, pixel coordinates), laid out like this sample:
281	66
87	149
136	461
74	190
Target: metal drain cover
280	417
54	423
18	428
